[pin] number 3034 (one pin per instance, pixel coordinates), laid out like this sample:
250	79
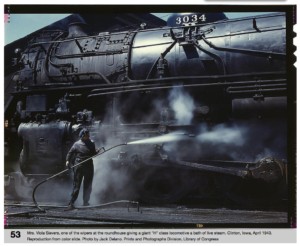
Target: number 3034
192	18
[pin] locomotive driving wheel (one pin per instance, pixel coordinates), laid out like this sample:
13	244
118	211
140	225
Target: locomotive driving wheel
250	192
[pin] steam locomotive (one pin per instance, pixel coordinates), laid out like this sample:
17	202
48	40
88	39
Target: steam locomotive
200	74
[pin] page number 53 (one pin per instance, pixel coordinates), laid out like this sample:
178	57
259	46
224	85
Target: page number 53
15	234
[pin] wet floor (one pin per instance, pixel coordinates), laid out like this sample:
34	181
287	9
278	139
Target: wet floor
124	215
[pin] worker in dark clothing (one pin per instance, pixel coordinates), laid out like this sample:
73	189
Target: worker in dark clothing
83	149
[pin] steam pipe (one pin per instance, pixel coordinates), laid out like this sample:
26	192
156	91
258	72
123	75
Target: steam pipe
33	197
163	56
255	86
237	89
212	54
262	90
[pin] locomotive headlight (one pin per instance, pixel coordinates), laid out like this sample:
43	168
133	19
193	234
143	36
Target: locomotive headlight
6	123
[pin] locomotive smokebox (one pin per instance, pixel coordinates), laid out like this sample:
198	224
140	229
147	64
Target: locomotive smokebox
180	19
77	29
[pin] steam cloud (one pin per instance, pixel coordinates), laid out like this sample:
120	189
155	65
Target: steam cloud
183	105
221	134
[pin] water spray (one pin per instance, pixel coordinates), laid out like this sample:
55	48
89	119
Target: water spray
33	197
163	139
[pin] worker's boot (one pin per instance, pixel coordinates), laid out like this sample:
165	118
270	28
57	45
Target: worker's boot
86	204
70	207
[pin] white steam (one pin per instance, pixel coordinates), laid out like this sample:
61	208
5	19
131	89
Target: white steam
183	105
222	134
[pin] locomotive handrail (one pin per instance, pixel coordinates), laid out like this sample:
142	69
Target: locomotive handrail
149	81
203	77
188	85
179	86
219	84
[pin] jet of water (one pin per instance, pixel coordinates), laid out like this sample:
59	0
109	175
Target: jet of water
160	139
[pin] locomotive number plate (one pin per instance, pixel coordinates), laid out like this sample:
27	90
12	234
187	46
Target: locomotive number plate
187	19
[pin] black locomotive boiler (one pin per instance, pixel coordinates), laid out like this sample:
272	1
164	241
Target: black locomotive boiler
183	94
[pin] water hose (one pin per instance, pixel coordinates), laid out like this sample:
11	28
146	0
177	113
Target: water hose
33	198
78	207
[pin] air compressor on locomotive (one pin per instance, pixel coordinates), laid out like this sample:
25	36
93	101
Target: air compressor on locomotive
110	82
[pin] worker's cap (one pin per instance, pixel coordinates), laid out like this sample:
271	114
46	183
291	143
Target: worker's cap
83	132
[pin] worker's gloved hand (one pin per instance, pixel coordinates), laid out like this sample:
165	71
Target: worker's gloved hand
97	150
68	165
